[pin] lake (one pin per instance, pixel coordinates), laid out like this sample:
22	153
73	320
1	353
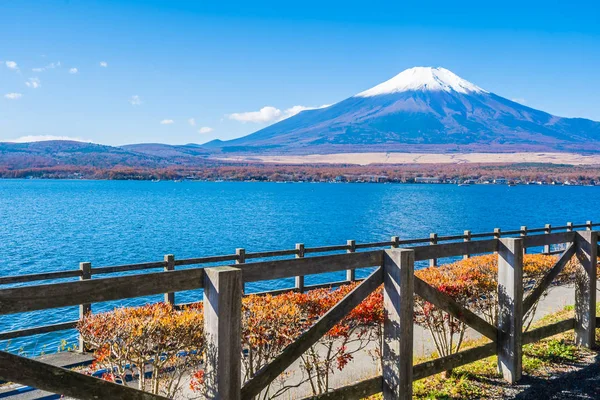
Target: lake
52	225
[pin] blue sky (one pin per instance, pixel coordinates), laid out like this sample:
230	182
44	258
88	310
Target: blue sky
180	72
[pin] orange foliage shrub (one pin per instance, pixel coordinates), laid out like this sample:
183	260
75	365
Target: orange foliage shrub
127	341
473	283
363	325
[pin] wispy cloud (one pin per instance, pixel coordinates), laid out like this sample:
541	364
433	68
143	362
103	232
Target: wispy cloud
43	138
167	122
519	100
135	100
205	129
270	114
13	96
11	65
52	65
192	122
73	71
33	83
103	64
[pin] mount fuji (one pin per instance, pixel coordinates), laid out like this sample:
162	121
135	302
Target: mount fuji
422	109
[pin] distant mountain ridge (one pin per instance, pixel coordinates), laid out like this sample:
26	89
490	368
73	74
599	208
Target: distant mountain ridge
64	152
422	109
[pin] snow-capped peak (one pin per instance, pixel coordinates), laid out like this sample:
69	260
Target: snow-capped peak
423	78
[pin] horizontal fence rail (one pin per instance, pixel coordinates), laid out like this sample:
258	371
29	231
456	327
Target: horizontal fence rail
281	253
424	251
394	268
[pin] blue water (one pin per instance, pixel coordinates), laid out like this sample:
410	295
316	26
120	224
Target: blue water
54	225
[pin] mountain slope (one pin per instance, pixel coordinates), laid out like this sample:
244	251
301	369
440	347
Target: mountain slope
422	109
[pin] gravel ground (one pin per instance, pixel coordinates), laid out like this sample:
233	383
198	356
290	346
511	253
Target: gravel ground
577	381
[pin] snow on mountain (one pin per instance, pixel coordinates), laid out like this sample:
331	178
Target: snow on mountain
421	109
423	78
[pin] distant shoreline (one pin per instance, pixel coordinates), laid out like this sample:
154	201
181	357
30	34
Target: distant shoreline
365	159
563	170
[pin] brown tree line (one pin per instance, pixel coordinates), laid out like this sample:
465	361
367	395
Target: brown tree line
314	173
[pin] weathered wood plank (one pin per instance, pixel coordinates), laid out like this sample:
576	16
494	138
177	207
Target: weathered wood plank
267	254
454	249
310	265
325	249
63	381
547	239
269	372
299	278
355	391
433	239
84	309
461	313
374	244
510	308
223	290
456	360
5	280
549	330
543	284
42	297
351	273
125	268
170	266
398	303
585	288
206	260
37	330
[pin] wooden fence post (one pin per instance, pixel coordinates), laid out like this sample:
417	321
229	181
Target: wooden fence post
398	301
170	260
523	234
351	273
588	225
585	288
395	242
510	308
433	239
547	231
467	235
300	278
241	256
569	227
223	289
86	273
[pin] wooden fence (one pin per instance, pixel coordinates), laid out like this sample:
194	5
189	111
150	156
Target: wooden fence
394	268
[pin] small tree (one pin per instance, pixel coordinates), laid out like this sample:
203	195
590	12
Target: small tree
473	283
269	324
363	325
155	340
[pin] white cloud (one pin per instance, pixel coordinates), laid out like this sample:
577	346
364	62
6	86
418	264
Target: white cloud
52	65
11	65
135	100
73	70
13	96
205	129
33	83
519	100
192	122
43	138
103	64
266	114
167	122
270	114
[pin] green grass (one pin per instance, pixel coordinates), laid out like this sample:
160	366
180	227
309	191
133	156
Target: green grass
480	379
